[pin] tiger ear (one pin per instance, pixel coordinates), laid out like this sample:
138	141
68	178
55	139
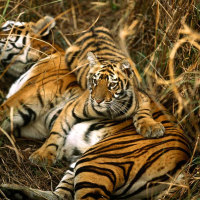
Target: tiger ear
92	59
126	68
43	26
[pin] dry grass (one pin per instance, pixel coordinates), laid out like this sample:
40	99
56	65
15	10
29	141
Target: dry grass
163	39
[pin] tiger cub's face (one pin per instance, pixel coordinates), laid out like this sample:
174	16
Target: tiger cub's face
110	85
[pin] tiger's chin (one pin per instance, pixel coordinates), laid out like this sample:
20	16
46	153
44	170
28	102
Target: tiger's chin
101	107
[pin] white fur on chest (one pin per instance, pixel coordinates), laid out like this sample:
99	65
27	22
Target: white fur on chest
81	137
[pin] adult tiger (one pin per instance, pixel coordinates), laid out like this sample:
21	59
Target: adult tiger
121	165
21	46
40	93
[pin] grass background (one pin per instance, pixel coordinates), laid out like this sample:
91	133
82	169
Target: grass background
161	36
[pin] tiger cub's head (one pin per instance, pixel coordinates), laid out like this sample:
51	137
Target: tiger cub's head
21	44
111	85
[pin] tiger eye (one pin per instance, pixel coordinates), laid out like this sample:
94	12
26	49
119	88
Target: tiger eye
95	81
113	84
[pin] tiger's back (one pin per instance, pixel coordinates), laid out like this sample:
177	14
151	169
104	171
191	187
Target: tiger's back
125	165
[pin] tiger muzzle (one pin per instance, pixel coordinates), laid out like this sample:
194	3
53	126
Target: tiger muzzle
101	93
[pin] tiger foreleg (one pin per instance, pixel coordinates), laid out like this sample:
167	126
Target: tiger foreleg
143	120
52	150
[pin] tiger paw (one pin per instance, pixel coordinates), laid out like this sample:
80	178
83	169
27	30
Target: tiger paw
43	156
150	128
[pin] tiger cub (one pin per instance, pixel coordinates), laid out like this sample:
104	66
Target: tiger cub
110	77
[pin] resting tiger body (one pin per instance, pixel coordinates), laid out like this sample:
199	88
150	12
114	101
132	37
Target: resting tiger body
34	112
121	164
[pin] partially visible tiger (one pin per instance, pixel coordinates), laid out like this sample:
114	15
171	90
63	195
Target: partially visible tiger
21	45
37	92
121	164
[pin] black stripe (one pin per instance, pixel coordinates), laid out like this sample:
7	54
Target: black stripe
149	162
67	182
53	145
105	32
66	189
31	115
102	152
165	122
111	50
126	144
157	114
24	38
140	117
84	40
94	195
90	44
55	133
107	70
93	127
53	119
126	172
83	185
72	84
69	62
82	75
63	129
40	98
152	183
53	74
99	171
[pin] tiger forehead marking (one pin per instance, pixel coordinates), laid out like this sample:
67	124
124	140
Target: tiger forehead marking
107	73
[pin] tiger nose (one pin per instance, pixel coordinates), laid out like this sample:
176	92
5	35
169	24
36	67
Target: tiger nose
99	100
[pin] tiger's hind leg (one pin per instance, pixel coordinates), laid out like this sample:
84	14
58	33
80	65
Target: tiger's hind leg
93	181
52	149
